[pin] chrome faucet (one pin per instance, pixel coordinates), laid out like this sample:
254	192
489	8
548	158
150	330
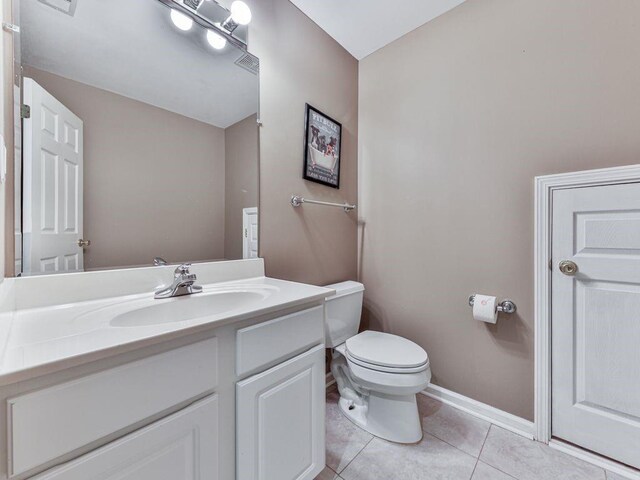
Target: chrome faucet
159	261
183	283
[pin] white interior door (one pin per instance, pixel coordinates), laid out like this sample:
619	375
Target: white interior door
596	320
250	232
52	195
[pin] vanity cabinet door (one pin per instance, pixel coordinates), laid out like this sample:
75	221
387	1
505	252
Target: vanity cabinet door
182	446
280	420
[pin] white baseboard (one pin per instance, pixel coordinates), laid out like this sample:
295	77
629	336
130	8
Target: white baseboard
482	410
595	459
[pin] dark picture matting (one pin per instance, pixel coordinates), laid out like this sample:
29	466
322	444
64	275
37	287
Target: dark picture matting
322	147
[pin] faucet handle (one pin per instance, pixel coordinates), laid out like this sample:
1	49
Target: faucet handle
159	261
183	269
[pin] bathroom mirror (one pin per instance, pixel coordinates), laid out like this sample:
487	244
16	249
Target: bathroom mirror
138	138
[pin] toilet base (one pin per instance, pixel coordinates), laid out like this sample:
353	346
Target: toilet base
391	417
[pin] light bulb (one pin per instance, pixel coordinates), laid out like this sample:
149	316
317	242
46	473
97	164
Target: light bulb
240	13
180	20
216	40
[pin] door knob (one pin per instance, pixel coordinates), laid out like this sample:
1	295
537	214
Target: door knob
84	243
568	267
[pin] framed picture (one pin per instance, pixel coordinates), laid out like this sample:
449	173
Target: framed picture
322	143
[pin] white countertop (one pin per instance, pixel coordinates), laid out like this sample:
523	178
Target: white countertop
42	340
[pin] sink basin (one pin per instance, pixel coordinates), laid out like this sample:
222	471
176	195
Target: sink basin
188	307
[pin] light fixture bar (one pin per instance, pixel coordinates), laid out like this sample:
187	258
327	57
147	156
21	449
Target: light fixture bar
206	23
193	3
229	24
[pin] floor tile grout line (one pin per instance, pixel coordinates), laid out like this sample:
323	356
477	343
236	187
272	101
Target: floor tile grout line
497	469
480	452
356	456
485	440
338	477
457	448
474	469
486	463
450	444
332	469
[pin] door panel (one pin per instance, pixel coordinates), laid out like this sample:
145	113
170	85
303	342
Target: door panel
70	193
183	446
603	339
608	232
53	195
596	320
280	419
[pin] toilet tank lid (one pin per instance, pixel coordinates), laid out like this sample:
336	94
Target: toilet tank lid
345	288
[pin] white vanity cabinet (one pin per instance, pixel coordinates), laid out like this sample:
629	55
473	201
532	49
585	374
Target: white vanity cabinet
241	401
280	410
92	407
183	446
280	420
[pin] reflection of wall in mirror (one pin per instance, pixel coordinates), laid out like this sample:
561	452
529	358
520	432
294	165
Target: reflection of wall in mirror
241	174
148	174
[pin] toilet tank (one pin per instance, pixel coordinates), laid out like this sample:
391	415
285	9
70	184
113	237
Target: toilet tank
343	310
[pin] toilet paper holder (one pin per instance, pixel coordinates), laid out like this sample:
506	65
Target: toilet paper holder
505	306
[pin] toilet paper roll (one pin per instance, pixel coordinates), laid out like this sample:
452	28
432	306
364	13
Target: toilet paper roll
485	308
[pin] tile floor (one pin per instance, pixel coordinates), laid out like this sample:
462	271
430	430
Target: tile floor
456	446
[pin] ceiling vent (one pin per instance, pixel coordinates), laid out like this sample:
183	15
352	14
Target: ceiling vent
249	63
64	6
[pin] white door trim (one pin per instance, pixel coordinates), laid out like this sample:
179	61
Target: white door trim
544	187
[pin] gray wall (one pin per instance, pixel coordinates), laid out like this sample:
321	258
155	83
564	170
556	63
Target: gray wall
153	181
456	119
241	181
300	63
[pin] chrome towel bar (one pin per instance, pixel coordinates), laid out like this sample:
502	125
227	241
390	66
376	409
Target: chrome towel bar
297	201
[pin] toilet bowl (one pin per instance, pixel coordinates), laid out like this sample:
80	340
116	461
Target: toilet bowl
377	374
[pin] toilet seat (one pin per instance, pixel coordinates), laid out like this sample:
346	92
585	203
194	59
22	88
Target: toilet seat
379	368
384	352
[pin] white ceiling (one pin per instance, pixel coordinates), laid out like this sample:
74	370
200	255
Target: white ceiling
364	26
130	47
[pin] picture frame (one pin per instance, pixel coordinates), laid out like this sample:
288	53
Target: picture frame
322	148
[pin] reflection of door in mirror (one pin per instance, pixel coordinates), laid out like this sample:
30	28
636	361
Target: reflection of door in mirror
52	181
142	138
250	232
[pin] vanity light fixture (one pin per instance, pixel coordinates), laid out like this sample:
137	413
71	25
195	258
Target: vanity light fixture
180	20
240	15
218	35
193	3
216	40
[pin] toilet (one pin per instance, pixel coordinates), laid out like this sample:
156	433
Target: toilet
378	374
